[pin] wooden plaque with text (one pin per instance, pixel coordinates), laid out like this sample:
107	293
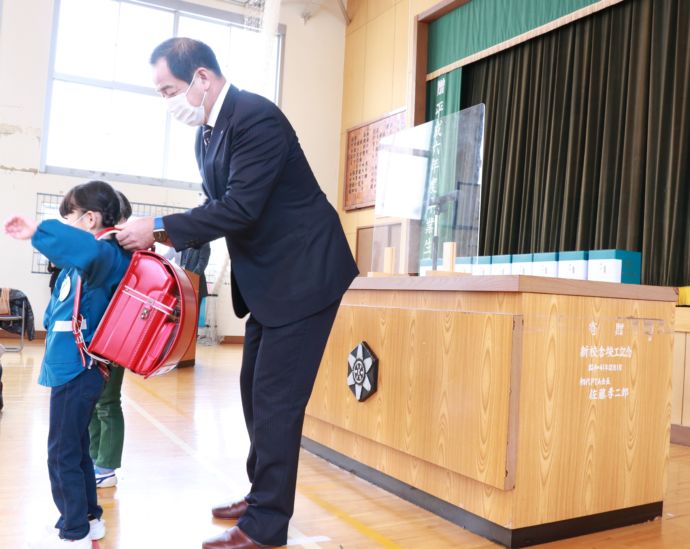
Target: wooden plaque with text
360	159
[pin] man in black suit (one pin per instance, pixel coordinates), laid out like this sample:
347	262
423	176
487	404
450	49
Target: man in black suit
290	265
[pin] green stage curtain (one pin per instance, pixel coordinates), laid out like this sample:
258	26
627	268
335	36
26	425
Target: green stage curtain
587	139
480	24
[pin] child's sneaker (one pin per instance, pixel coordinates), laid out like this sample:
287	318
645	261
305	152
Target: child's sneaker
54	541
105	478
96	529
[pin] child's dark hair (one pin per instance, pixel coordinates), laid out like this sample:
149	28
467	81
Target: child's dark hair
125	206
94	196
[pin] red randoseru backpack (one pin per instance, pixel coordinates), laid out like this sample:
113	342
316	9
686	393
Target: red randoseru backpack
150	321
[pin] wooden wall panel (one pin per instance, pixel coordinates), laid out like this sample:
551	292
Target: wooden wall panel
579	456
681	372
685	418
476	497
682	322
679	367
443	385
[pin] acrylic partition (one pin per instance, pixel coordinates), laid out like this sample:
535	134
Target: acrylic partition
428	192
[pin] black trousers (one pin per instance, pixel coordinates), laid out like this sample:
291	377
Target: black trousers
70	468
279	367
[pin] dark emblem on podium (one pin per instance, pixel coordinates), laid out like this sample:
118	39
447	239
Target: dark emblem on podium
362	371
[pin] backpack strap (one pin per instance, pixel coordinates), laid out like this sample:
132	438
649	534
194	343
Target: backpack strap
100	235
77	320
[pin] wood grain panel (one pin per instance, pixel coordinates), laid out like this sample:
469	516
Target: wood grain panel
685	416
519	283
481	302
476	497
682	323
678	383
580	456
443	385
574	455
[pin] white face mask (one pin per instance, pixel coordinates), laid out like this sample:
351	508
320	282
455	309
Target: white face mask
181	109
73	223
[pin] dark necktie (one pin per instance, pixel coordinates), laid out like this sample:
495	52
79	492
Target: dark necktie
206	136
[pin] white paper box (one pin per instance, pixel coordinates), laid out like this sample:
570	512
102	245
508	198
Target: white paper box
572	265
615	266
545	264
482	266
500	265
521	265
463	265
605	270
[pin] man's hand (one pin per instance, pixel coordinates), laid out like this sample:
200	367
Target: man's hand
20	227
136	235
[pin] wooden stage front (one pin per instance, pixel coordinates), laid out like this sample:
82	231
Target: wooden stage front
525	409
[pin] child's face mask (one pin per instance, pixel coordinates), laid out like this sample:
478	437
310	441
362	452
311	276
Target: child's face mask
75	221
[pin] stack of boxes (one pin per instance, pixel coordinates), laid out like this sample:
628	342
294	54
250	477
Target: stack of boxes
602	265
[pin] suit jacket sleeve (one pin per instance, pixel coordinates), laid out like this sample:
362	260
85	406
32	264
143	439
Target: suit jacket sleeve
258	149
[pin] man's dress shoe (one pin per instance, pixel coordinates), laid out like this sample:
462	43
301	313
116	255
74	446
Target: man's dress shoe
230	511
232	539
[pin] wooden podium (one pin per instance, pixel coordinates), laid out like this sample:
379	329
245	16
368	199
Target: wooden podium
525	409
189	358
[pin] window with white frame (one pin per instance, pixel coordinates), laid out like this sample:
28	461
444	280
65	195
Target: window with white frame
103	116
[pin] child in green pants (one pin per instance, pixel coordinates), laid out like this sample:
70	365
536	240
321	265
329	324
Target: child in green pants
107	431
107	427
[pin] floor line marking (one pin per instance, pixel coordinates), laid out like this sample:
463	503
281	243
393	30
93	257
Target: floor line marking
351	521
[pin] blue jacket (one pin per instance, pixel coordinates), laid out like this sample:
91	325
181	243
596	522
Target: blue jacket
101	264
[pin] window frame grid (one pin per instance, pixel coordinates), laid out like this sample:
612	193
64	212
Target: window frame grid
178	8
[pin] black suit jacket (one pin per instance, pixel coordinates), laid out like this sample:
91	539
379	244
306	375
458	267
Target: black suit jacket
288	251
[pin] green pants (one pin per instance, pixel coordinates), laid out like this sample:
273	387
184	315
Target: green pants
107	427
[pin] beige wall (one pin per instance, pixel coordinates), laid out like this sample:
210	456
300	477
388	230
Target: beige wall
311	98
379	64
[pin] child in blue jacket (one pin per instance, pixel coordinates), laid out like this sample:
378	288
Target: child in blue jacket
75	388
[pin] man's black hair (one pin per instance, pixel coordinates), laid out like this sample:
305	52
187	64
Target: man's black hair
185	56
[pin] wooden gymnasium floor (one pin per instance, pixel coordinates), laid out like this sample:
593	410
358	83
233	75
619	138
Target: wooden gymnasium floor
184	451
